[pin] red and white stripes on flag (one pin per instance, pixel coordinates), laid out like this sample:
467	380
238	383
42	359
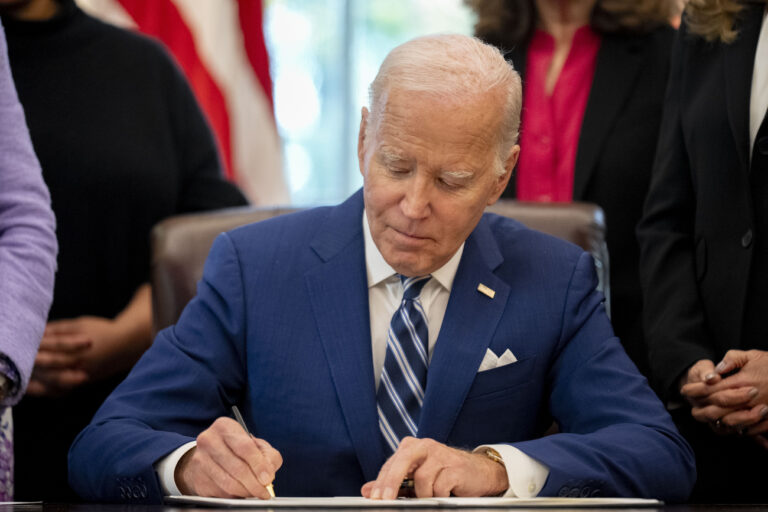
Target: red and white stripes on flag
220	46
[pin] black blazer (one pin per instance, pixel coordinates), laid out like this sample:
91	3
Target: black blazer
700	233
615	155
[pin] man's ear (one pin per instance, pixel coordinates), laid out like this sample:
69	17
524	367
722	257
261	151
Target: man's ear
503	180
361	142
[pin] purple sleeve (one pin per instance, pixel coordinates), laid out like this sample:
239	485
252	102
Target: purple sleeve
27	237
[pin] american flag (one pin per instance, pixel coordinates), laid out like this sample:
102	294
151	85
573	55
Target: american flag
220	46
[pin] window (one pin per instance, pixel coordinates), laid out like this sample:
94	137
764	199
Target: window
323	56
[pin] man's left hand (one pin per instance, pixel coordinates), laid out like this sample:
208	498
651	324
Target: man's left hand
437	470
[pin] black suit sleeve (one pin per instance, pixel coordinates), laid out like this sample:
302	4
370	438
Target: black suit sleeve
673	313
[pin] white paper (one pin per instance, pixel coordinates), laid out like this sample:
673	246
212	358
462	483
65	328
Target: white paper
360	502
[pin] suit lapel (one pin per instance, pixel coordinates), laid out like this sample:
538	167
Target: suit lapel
618	64
739	60
461	344
338	291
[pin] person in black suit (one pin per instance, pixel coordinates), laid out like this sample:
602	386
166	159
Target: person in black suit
613	57
704	241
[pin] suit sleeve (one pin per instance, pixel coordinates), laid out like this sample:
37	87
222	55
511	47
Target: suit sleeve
672	311
191	375
28	243
616	437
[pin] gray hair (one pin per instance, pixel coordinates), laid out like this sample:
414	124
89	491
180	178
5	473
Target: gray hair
451	66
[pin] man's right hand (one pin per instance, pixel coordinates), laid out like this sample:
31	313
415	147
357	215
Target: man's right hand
228	463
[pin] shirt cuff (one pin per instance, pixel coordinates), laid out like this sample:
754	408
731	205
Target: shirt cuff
526	475
166	468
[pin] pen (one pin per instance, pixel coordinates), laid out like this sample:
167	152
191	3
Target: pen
241	421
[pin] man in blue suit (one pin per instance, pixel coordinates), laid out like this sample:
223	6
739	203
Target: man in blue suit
401	334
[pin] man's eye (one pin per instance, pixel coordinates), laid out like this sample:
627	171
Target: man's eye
448	183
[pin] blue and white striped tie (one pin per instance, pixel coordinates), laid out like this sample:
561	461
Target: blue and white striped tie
404	377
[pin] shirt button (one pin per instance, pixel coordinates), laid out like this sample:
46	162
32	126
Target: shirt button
746	240
531	487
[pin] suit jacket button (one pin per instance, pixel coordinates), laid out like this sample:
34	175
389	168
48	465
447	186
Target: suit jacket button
575	493
762	145
746	240
563	492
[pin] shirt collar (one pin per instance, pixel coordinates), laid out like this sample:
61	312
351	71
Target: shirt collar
378	270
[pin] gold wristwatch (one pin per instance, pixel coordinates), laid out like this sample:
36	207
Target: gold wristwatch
493	455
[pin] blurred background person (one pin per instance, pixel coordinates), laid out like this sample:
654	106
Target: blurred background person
220	47
704	239
27	261
123	145
594	74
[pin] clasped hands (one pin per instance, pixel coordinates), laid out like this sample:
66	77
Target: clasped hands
228	463
732	396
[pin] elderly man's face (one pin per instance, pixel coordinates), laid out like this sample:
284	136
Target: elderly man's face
429	172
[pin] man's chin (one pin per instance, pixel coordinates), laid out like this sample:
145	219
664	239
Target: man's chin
410	268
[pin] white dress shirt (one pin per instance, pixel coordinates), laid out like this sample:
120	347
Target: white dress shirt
385	291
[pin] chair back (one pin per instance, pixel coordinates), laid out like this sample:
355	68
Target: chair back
181	244
580	223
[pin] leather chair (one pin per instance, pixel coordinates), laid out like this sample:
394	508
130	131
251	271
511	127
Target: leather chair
180	244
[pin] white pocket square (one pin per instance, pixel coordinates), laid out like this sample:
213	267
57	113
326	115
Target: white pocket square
491	360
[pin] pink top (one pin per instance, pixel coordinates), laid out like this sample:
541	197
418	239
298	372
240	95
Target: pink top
551	124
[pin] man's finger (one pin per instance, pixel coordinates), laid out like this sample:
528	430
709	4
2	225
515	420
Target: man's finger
258	466
234	454
408	457
270	453
224	483
365	490
445	483
424	478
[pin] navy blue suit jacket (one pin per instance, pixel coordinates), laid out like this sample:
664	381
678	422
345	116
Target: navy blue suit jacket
280	325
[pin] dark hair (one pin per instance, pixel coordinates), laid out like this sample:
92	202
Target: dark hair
508	23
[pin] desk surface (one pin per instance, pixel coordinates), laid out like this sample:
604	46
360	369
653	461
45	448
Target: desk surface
96	507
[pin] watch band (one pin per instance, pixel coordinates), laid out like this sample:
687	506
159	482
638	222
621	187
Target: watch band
493	455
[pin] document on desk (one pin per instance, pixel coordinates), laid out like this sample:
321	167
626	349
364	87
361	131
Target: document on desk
360	502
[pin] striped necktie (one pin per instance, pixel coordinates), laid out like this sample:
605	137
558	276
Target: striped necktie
404	376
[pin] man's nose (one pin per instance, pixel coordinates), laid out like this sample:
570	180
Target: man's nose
416	199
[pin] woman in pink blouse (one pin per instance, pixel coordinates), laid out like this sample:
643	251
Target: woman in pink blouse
594	75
